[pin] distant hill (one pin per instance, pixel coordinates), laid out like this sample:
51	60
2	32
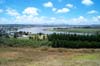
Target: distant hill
49	25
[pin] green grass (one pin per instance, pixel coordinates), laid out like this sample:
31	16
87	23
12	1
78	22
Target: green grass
84	30
94	56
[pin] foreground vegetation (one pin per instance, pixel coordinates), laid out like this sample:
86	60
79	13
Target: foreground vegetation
49	57
13	42
16	51
74	40
54	40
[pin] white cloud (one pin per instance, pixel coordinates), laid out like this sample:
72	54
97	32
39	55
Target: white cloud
54	9
31	11
31	19
87	2
48	4
24	19
12	12
1	10
70	5
63	10
92	12
96	19
49	20
78	20
81	19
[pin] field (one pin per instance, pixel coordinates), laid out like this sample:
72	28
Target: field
45	56
84	30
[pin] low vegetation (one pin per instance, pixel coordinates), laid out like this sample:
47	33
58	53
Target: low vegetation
50	57
13	42
54	40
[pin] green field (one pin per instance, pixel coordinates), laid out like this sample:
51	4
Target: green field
84	30
49	57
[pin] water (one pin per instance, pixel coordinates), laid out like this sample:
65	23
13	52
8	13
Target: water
47	30
35	30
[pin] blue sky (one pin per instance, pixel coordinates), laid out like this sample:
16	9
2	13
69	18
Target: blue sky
73	12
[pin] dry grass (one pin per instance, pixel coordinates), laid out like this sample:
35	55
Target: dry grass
49	57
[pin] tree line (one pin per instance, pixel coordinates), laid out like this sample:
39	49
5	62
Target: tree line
74	40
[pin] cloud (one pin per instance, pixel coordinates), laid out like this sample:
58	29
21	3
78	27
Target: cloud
48	4
33	19
1	10
39	20
96	19
70	5
79	19
31	11
54	9
24	19
28	18
12	12
63	10
92	12
87	2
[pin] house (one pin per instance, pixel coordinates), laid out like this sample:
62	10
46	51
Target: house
38	37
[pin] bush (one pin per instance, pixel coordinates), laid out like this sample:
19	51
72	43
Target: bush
13	42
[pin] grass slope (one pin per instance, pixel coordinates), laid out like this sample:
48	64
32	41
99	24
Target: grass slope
49	57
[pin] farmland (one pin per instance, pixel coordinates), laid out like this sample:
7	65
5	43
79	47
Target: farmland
82	30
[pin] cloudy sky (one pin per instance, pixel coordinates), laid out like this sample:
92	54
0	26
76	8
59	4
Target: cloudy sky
73	12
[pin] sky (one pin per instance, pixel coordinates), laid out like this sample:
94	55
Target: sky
70	12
